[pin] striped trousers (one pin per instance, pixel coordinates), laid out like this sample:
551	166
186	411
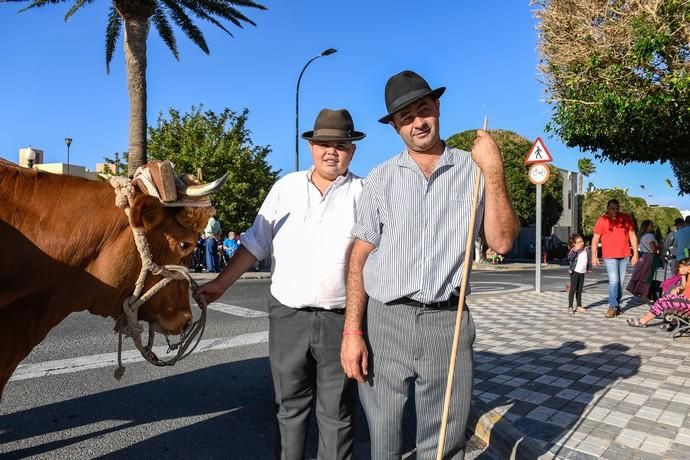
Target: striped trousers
412	345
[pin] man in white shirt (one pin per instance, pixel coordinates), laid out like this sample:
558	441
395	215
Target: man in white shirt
304	224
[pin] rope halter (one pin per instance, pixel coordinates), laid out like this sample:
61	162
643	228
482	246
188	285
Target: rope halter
128	324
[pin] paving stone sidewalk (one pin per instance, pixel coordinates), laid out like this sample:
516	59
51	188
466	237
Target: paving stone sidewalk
582	386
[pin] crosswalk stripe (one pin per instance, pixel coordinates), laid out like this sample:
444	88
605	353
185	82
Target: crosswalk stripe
82	363
236	311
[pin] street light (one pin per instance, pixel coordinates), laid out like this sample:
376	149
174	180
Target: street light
31	157
68	141
326	52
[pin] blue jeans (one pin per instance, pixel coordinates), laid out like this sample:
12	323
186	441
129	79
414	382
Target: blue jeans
615	268
211	255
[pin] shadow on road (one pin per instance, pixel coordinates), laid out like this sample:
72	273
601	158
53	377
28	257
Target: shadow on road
234	404
544	393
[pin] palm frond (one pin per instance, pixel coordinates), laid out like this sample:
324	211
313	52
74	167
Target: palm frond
112	33
39	3
246	4
78	4
186	24
224	9
198	9
164	30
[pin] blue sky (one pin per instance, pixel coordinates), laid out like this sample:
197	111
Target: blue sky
54	83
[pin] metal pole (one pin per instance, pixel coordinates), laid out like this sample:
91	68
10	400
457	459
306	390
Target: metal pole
537	273
326	52
68	141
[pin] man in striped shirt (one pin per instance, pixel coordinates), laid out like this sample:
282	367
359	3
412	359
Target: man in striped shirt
304	224
425	191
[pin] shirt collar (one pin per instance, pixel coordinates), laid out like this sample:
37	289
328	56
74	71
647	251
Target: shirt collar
336	183
447	158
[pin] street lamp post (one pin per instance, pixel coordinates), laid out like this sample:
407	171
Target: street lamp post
326	52
68	141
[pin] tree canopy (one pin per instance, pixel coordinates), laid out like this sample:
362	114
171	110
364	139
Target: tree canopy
521	191
213	144
618	75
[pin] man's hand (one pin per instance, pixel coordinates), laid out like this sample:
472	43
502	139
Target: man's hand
354	357
486	154
211	291
634	259
595	262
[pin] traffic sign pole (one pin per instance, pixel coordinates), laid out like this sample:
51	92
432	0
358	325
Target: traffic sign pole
537	256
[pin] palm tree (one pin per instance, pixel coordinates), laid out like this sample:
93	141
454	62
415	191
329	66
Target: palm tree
586	168
136	15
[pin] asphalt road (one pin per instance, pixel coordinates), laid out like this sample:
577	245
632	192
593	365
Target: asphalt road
63	401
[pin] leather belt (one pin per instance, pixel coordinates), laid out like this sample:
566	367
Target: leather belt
452	302
339	311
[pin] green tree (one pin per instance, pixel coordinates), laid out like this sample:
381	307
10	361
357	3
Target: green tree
117	165
213	144
136	16
594	206
618	76
521	191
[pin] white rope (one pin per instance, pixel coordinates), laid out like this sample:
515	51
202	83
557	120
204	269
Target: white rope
131	327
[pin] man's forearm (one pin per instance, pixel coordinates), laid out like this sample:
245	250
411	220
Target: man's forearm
501	225
240	262
356	301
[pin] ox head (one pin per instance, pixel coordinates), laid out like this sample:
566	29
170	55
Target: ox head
172	227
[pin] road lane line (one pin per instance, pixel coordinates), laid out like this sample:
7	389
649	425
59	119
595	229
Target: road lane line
82	363
236	311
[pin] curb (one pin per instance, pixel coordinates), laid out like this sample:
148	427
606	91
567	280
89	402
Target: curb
501	437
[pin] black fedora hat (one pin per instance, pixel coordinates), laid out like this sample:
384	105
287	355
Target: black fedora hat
403	89
333	125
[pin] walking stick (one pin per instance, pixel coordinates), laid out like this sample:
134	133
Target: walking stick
461	305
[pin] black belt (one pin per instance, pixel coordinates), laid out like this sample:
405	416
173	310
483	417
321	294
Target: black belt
452	302
339	311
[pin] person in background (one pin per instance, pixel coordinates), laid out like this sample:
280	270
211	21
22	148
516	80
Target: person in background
230	246
212	233
677	299
682	241
669	250
643	274
616	232
579	259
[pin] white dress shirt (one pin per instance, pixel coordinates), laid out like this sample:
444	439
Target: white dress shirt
308	237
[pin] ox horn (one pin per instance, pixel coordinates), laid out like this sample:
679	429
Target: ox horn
205	189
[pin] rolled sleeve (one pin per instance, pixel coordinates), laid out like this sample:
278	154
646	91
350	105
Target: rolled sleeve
368	224
258	239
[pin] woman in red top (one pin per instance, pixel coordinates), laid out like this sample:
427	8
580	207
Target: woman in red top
616	232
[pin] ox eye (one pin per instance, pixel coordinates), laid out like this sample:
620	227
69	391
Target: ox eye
184	245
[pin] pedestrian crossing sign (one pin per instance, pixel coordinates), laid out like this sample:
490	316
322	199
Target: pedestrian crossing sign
538	153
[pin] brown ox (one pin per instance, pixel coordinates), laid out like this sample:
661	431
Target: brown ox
66	247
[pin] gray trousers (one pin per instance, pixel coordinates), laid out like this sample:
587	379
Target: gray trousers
304	351
410	344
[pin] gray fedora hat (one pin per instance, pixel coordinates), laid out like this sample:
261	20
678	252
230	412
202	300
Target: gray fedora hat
333	125
403	89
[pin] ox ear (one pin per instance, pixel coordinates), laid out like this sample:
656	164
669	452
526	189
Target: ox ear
146	212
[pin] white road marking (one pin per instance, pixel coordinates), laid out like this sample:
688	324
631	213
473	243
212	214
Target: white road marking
82	363
236	311
515	287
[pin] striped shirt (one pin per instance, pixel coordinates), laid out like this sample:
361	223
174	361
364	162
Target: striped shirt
308	236
418	226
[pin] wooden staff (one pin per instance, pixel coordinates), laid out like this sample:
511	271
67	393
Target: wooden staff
461	305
